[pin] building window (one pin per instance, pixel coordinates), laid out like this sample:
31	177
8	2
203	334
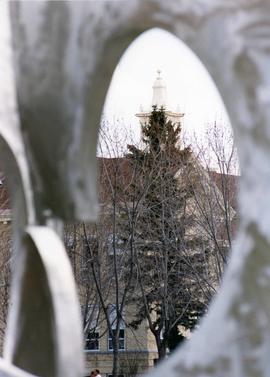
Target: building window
92	341
121	343
89	252
90	248
118	243
113	321
70	241
90	316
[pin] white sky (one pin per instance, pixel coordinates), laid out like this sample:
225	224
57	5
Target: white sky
188	83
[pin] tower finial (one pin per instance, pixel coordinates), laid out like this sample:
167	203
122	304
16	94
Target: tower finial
159	98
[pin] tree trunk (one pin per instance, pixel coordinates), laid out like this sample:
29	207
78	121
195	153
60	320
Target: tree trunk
115	359
161	346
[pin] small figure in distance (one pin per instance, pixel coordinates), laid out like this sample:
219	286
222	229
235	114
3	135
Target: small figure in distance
92	374
97	373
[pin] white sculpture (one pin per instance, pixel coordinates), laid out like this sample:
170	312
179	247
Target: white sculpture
65	54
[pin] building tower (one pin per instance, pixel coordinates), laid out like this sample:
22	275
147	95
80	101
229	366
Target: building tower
159	99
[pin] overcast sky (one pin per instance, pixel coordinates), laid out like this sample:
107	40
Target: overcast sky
188	83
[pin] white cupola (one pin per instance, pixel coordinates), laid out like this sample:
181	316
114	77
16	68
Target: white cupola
159	99
159	92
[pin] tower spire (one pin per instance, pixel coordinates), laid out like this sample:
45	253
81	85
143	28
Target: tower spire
159	98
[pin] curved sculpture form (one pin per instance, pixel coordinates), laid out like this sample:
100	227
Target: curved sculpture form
9	370
44	335
65	53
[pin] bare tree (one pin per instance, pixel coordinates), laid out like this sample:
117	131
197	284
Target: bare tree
172	261
5	276
160	241
215	192
103	263
6	256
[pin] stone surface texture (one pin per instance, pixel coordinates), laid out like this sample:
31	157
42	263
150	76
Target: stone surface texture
64	54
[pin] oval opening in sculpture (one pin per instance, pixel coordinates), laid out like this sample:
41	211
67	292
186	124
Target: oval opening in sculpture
167	220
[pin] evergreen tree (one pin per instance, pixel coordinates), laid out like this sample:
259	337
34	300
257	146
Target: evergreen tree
168	264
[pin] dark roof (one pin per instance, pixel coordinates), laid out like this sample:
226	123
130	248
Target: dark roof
118	171
113	172
228	184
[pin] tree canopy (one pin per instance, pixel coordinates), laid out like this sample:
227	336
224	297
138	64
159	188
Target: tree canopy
168	267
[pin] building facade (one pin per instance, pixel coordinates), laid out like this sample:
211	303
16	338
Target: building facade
137	350
137	347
